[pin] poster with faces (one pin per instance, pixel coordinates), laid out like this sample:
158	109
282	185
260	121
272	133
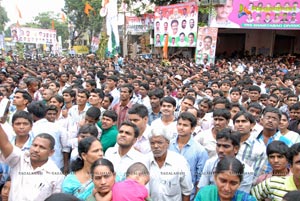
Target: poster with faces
206	45
32	35
179	22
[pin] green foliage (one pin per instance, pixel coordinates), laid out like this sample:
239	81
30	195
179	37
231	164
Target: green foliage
74	11
102	45
20	50
203	13
44	21
3	18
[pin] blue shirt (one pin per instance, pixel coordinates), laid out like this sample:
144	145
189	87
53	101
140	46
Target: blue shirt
196	156
152	116
276	136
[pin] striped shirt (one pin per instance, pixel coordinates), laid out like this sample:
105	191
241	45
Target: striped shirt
253	154
273	188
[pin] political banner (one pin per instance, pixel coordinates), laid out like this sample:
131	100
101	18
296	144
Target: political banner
143	24
95	44
33	35
1	41
179	22
206	45
257	14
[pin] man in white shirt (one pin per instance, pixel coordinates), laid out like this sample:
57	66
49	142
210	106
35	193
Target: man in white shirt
41	124
170	176
33	176
123	154
138	115
167	120
111	83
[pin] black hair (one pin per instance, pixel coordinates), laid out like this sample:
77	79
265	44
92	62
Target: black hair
83	147
235	89
128	86
69	91
232	164
102	162
293	151
84	91
206	101
51	107
59	98
255	88
256	106
295	106
222	100
188	116
292	196
88	128
62	196
135	128
139	109
110	97
272	110
241	108
266	96
145	85
159	93
191	98
222	113
25	95
92	83
277	147
48	137
231	135
99	92
246	114
37	108
111	114
23	115
168	99
93	112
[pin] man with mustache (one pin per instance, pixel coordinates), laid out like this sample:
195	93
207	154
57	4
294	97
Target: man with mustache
124	155
228	144
223	11
34	176
270	122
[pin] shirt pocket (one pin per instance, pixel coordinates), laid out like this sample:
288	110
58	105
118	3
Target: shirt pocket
171	186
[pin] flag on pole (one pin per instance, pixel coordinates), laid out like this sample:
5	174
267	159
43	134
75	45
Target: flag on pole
17	24
19	12
63	18
87	9
52	24
165	48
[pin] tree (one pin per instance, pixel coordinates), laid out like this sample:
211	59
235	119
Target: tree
44	21
3	18
82	22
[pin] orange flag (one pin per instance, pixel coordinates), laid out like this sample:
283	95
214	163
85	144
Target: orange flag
87	9
19	12
17	24
165	48
63	18
52	24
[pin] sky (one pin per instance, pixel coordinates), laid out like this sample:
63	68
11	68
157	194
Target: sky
29	8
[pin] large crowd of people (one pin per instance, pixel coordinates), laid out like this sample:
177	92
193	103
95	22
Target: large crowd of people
79	128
